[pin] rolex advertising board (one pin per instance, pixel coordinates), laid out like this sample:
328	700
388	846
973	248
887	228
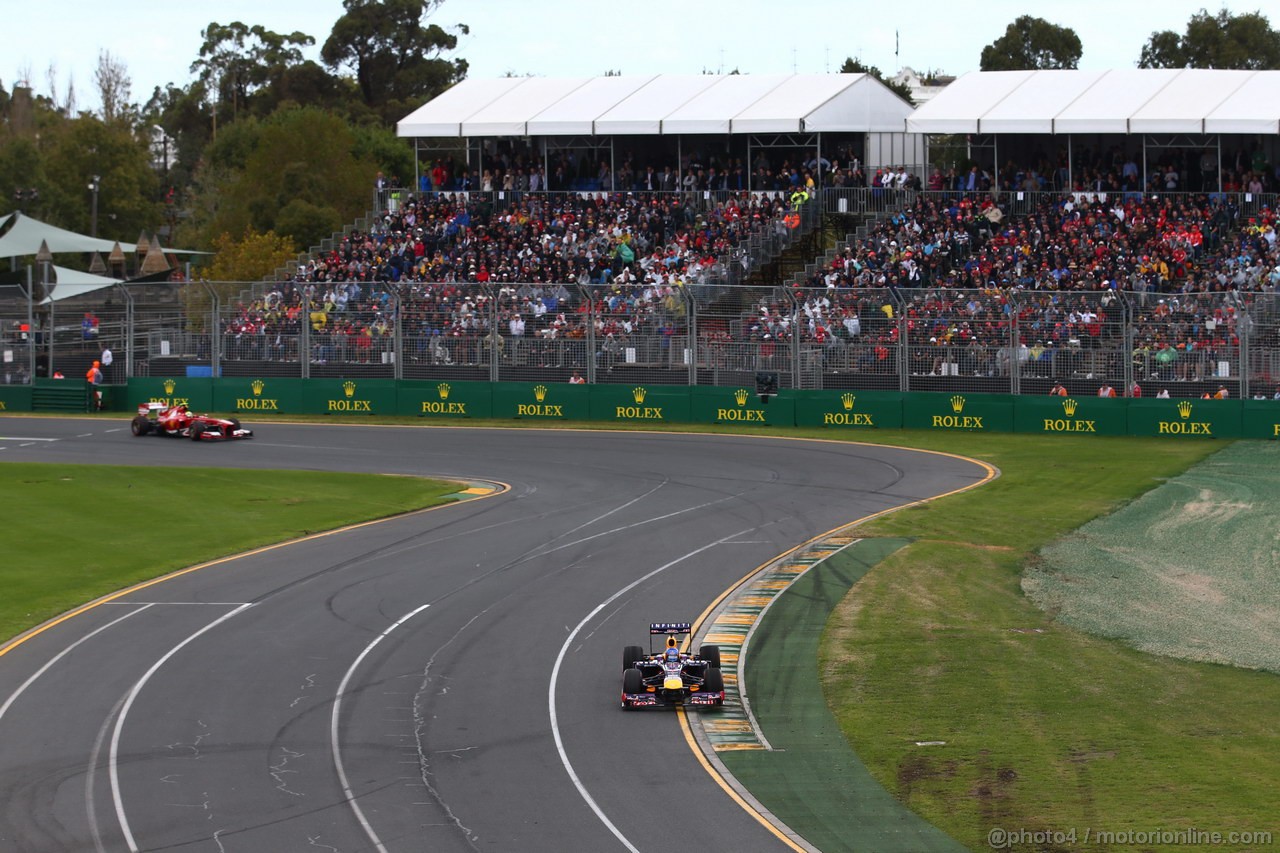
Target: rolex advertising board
445	399
1193	418
648	404
741	405
196	393
849	409
1081	415
549	401
959	411
1261	419
268	395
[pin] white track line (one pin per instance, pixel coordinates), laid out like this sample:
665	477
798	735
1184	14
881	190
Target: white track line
113	760
555	675
60	655
333	728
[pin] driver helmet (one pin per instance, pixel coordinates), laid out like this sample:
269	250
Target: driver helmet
672	652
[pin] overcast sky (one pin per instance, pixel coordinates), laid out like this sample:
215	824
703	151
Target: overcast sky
157	42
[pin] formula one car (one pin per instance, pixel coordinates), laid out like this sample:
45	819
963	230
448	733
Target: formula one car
670	677
178	421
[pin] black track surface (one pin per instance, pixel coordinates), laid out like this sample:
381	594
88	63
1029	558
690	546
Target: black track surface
444	731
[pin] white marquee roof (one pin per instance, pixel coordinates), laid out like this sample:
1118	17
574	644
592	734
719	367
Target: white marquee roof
1127	100
662	104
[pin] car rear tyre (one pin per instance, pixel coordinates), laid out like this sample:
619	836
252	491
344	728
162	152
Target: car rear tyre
197	430
630	655
140	425
710	654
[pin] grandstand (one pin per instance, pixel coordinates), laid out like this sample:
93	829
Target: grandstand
698	230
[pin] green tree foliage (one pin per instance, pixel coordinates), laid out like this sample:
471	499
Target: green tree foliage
248	257
1030	43
855	66
298	155
398	62
1223	40
237	61
128	188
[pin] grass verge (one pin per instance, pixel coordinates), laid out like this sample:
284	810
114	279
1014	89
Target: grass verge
93	529
1045	729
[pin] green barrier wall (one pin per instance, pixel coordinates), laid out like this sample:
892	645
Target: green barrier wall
267	396
1261	419
741	406
640	403
554	401
418	398
194	393
1179	418
849	409
1071	415
351	396
15	398
966	412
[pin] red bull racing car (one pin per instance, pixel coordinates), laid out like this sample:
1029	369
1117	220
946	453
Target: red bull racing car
670	677
179	421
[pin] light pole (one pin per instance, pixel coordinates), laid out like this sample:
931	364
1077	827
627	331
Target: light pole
23	195
93	215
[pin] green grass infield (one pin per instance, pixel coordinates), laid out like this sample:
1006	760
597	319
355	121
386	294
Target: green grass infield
1007	729
92	529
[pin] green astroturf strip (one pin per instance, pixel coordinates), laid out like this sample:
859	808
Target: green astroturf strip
812	779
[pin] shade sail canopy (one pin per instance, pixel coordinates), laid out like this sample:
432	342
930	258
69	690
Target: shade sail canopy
26	235
74	283
1126	100
662	104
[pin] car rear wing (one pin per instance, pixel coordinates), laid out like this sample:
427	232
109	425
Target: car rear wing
670	627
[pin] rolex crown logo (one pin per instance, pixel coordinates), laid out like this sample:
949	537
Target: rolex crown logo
638	395
1184	409
443	390
957	404
846	400
349	388
1069	407
257	385
741	396
539	392
169	385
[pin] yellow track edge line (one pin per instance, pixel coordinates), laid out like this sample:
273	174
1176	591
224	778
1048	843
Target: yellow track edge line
107	599
686	727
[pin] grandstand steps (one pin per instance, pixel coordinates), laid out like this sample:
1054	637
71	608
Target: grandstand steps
823	262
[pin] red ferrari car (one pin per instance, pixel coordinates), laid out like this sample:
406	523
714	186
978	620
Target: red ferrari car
160	419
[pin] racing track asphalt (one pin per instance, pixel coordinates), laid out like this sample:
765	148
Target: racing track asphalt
389	687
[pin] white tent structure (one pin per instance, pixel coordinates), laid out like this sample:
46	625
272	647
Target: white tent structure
1130	100
1166	109
604	108
661	104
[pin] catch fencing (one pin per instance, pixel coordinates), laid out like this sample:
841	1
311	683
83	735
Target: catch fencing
1004	341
